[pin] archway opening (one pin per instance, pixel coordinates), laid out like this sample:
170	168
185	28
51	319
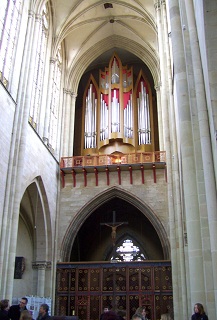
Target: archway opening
94	242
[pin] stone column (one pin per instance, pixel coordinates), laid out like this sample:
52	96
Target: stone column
66	120
72	124
162	91
207	159
187	161
32	66
49	99
169	142
69	116
177	218
12	203
41	267
159	115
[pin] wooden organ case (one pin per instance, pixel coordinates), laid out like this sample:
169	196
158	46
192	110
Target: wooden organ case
117	115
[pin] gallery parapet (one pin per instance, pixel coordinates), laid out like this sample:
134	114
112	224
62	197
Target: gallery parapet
105	160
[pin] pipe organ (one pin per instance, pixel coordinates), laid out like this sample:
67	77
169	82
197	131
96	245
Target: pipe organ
117	115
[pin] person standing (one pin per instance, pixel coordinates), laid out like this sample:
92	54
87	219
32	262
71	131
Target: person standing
4	307
43	312
142	312
199	313
106	309
15	310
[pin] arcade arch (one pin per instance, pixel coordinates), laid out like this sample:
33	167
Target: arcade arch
34	241
128	207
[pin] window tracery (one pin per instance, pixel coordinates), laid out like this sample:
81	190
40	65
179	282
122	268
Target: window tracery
10	16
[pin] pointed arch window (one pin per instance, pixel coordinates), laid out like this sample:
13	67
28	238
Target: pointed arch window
128	251
39	69
10	16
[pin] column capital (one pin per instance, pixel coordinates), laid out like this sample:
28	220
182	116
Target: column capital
31	14
52	60
42	265
158	86
74	95
157	5
38	17
68	91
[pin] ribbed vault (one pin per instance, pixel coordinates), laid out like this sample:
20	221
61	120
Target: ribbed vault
83	61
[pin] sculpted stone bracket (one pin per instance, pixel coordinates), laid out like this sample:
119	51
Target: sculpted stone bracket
42	265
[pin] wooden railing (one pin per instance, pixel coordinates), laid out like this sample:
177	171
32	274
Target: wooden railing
108	160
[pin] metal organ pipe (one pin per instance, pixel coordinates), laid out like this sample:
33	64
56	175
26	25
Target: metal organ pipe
103	119
144	133
115	114
128	133
90	119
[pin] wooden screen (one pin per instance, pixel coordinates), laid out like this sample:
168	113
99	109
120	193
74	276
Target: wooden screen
85	289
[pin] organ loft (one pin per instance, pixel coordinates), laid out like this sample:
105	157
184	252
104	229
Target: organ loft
118	112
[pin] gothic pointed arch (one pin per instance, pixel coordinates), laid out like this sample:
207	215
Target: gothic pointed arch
81	63
34	240
104	197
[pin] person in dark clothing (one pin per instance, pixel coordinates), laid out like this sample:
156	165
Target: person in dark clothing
43	312
106	309
199	313
121	314
4	307
110	315
15	310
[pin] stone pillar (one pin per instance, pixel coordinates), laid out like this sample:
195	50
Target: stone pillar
207	160
169	143
72	124
176	217
32	66
159	115
69	116
187	161
66	120
41	266
12	202
163	97
49	99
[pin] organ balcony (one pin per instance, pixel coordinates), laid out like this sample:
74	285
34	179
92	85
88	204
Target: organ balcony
111	163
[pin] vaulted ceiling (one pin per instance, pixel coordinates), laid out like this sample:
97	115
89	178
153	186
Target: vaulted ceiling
90	29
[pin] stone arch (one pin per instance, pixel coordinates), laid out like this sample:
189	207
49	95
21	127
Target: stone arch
35	223
81	63
95	203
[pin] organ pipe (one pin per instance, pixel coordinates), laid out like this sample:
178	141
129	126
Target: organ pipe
144	132
90	119
113	116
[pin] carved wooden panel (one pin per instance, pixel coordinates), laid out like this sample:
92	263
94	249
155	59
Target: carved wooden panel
84	290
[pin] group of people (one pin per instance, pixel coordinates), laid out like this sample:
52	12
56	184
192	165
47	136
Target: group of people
20	312
109	314
141	314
